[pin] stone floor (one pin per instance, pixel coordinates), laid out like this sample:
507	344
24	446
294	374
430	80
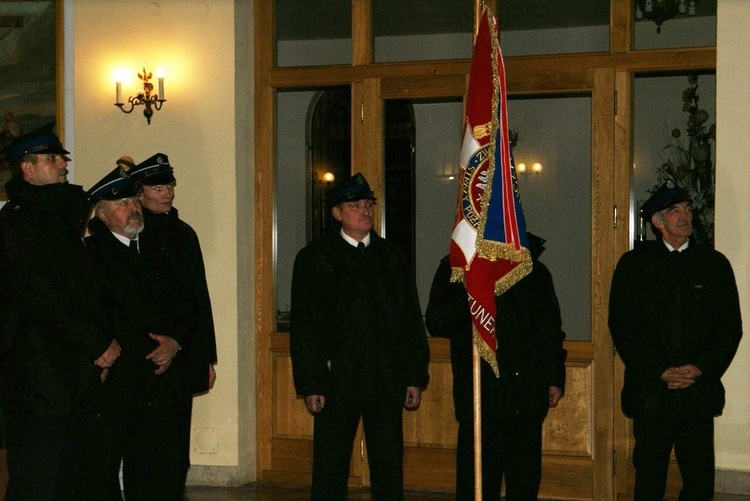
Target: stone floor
255	492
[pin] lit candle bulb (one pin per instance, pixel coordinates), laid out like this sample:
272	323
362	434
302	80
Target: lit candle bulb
118	92
160	76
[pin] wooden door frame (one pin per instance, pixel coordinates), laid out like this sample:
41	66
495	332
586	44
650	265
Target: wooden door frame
611	160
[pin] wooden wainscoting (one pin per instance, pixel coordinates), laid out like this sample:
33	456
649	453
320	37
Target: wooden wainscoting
430	433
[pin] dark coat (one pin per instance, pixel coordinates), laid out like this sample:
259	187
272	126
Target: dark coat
669	310
530	351
49	366
356	326
135	290
173	243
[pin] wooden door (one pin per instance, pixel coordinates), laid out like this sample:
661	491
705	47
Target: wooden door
577	435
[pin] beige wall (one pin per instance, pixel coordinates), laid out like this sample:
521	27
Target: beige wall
195	42
733	215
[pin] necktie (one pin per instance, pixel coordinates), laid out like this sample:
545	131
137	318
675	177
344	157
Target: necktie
134	247
361	248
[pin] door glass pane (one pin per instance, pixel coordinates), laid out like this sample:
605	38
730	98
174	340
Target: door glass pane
400	200
300	205
312	33
555	132
661	113
665	24
535	27
330	153
437	148
415	30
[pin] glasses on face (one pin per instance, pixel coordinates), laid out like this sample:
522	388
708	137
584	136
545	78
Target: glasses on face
360	205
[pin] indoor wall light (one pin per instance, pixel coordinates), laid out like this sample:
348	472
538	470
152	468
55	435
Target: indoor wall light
660	10
150	101
535	168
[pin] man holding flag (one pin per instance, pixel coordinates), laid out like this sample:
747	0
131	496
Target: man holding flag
489	254
488	249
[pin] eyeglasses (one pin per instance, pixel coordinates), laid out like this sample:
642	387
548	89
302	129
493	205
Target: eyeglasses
359	205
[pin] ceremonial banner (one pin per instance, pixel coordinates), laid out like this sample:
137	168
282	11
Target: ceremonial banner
488	250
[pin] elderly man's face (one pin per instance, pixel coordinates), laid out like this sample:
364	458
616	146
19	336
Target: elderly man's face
675	223
158	198
355	217
50	168
123	216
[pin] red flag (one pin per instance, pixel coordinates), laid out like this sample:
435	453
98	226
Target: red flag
489	250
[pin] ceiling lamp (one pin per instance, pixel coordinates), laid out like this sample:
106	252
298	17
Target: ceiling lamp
660	10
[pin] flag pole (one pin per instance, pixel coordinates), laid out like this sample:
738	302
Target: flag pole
476	359
488	250
477	387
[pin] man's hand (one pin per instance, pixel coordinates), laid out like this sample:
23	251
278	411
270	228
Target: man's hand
162	368
108	358
315	403
211	376
678	378
164	353
413	398
555	394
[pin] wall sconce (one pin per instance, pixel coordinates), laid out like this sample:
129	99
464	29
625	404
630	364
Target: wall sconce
535	168
145	98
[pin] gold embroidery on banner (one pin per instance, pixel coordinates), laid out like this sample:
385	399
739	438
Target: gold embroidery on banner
485	351
457	275
486	196
512	277
482	131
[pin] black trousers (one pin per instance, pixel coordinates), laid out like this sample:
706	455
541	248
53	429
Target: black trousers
184	429
511	448
140	430
693	441
44	455
333	438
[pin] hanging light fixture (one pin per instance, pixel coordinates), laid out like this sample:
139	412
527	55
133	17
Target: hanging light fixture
659	11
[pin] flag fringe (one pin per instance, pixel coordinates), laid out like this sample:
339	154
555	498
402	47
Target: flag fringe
457	274
485	351
513	276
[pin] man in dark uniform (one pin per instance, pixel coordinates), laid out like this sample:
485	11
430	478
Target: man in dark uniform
674	316
143	394
358	345
172	242
57	350
531	360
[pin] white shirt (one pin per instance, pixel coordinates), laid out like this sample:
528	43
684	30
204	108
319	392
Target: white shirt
352	241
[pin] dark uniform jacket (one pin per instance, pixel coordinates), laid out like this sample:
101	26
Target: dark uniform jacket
48	367
136	291
530	350
174	244
668	310
356	326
